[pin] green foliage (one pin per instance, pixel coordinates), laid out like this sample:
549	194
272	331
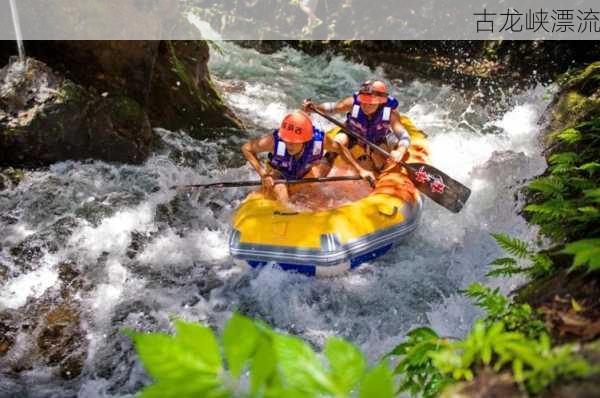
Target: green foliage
193	363
419	376
532	361
566	204
517	317
585	252
537	264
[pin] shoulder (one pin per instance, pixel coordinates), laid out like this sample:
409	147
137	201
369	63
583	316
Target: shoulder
392	102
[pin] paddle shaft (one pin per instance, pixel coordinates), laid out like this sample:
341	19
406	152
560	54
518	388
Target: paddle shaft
434	183
252	183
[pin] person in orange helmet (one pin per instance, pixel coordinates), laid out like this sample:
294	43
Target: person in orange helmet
370	112
295	149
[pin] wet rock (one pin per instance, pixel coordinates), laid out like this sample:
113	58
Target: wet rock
51	118
578	99
29	252
10	177
60	339
7	334
169	80
139	240
50	334
4	271
487	384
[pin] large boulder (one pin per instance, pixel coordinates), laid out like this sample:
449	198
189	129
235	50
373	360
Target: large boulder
168	79
45	118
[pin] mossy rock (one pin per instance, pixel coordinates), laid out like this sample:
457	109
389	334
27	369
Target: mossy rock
579	98
52	119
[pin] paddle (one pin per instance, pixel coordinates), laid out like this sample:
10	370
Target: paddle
435	184
253	183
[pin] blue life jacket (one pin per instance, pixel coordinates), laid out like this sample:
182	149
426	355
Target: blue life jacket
376	128
291	167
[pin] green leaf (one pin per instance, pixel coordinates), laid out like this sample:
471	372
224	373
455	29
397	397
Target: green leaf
423	333
569	135
239	342
347	364
590	167
593	195
163	358
586	251
199	342
547	185
564	158
513	246
263	365
188	387
378	382
300	366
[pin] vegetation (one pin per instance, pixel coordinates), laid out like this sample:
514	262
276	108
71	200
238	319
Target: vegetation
252	360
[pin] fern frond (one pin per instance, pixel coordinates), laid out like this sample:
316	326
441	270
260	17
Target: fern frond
491	300
542	265
586	252
593	195
513	246
567	158
547	185
505	266
570	135
590	167
552	209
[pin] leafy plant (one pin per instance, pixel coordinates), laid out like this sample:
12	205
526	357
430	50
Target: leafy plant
193	363
419	376
516	317
538	264
566	202
532	361
586	252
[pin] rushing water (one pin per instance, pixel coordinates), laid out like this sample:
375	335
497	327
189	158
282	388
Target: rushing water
145	254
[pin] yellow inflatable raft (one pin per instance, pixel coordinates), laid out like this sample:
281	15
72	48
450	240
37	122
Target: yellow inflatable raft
333	240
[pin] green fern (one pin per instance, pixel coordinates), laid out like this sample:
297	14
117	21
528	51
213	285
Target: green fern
569	136
552	210
547	185
513	246
590	167
533	362
585	252
504	266
568	158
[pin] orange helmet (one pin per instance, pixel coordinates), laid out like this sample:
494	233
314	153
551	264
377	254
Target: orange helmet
296	128
373	92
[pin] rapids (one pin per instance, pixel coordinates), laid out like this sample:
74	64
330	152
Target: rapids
143	254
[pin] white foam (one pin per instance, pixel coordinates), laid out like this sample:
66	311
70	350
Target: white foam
173	249
113	235
15	293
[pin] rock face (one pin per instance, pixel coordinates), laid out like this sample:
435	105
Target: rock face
578	99
45	118
49	329
99	99
168	79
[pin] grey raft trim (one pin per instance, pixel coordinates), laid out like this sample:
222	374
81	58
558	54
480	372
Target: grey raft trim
332	255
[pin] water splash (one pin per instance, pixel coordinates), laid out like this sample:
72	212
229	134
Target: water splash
146	253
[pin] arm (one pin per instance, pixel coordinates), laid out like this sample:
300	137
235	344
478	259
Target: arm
254	147
334	146
342	106
398	153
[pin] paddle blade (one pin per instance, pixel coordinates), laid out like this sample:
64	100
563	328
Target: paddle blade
438	186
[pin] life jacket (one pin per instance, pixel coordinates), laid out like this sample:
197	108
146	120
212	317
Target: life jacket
295	168
376	128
